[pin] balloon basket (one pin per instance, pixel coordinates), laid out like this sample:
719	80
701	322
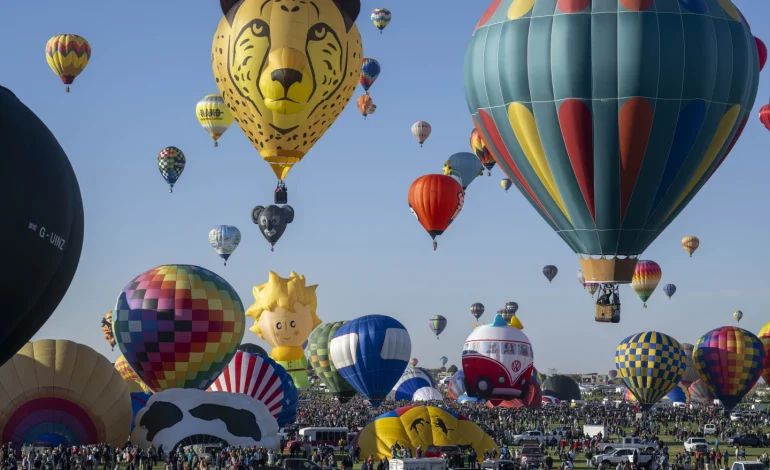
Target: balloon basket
216	144
607	314
67	90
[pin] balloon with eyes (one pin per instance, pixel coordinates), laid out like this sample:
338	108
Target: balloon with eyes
272	221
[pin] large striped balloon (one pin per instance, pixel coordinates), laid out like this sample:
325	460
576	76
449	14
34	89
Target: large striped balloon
262	378
609	116
650	364
729	360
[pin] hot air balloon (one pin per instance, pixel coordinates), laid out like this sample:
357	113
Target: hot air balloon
482	152
650	364
252	349
511	307
669	290
436	201
370	70
581	278
679	394
260	377
109	336
319	357
128	374
550	272
699	393
464	166
764	116
413	361
181	308
381	18
443	360
365	105
68	56
506	184
171	163
592	287
371	353
456	385
764	336
225	239
421	131
729	360
42	223
761	52
283	82
690	244
590	147
414	385
214	116
272	221
646	278
613	374
477	310
62	392
737	315
690	372
437	324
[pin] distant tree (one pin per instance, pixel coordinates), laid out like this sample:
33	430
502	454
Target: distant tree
452	369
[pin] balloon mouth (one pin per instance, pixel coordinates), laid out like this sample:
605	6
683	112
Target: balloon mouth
608	270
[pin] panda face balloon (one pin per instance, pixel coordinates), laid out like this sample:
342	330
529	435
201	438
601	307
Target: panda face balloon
272	221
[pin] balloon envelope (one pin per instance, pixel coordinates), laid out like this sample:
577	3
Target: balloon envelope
437	324
225	239
464	166
319	356
477	310
214	116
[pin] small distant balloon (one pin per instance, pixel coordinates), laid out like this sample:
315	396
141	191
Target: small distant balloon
225	239
669	290
738	315
506	184
370	70
581	278
437	324
365	105
214	115
646	278
690	244
477	309
421	131
592	287
68	56
171	163
272	221
550	271
381	18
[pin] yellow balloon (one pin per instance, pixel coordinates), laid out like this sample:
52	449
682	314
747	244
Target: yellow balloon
67	55
214	116
58	387
287	73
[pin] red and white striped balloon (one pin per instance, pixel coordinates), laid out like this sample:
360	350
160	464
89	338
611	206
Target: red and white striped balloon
251	375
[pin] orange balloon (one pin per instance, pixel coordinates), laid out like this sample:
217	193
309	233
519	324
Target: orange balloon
365	105
436	200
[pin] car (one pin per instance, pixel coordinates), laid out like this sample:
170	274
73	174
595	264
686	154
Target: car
709	429
736	416
528	436
561	430
531	456
696	443
627	443
441	451
501	465
752	440
748	466
617	456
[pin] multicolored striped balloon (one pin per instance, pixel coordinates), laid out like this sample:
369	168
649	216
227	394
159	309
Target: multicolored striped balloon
729	360
381	18
68	56
262	378
482	152
650	364
699	393
592	287
477	310
370	70
128	374
646	278
437	324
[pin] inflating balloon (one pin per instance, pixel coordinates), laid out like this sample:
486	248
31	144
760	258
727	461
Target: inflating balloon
214	116
436	201
380	18
225	239
414	385
272	221
699	393
477	310
319	356
287	73
65	392
729	360
464	166
690	244
690	372
437	324
647	275
506	184
482	152
589	146
184	309
365	105
680	394
42	223
260	377
669	290
68	56
371	353
650	364
370	70
171	163
550	272
284	313
421	131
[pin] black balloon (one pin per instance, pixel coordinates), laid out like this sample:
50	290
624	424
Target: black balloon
252	349
272	221
41	228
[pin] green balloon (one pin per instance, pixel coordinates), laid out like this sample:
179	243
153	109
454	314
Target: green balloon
320	359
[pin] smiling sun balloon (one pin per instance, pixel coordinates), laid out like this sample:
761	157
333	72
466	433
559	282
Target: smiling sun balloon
284	313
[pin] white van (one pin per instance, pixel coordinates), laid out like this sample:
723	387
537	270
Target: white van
709	429
592	430
418	464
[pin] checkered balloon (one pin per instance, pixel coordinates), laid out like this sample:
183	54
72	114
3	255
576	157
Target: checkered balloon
651	364
171	163
729	361
178	326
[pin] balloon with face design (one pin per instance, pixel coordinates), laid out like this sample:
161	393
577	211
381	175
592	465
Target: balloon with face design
272	221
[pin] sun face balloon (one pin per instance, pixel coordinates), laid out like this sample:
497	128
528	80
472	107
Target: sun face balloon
607	124
287	73
650	364
284	313
178	326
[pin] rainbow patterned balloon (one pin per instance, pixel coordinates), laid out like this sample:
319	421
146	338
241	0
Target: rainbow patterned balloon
729	360
764	336
178	326
646	278
651	364
128	374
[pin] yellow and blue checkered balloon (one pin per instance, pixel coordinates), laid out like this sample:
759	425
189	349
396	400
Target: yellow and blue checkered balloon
651	364
729	360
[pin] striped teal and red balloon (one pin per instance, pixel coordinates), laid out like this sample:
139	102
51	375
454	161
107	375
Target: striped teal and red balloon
437	324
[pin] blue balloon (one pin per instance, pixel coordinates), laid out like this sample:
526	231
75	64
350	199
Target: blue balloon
413	379
465	398
138	401
464	166
371	353
678	395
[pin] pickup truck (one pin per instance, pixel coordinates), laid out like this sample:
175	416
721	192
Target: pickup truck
746	440
528	436
626	443
531	457
696	443
617	456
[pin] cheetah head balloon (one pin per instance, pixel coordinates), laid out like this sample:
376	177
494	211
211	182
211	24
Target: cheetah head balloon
287	69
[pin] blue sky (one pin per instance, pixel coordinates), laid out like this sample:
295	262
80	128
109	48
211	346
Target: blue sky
354	234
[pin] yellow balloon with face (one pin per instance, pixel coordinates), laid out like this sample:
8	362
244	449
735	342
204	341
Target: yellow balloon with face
286	69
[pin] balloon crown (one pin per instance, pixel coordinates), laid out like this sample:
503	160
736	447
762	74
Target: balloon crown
350	9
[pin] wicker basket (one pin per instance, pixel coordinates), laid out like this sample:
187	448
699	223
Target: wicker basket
607	314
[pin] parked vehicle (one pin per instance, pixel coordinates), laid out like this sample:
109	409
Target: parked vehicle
746	440
531	456
529	436
696	443
418	464
748	466
617	456
503	465
592	430
709	429
627	443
